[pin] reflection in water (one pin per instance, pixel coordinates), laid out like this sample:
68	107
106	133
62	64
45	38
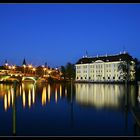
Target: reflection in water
29	98
20	90
139	93
56	95
96	95
5	102
49	93
9	98
60	91
12	95
33	94
44	96
23	99
65	91
99	95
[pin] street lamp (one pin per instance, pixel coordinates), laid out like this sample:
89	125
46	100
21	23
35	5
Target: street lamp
24	66
44	71
13	67
34	69
30	67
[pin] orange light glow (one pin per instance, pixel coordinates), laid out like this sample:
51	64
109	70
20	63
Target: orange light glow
5	102
29	98
44	96
49	93
24	99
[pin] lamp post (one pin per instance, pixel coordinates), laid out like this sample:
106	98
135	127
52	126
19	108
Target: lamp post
30	67
24	66
44	71
13	68
34	71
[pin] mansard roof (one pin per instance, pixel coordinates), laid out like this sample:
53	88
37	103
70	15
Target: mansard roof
106	58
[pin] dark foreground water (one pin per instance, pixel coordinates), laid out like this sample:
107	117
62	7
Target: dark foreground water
65	110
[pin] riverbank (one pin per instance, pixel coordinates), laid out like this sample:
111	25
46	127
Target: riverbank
107	82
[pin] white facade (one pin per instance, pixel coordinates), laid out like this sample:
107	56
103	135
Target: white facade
103	71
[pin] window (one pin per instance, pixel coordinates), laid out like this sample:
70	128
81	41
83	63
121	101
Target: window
89	77
108	77
85	77
77	77
103	77
113	77
81	78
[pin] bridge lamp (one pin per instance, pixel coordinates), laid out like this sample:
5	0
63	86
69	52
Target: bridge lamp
24	66
13	67
34	69
44	70
9	67
30	66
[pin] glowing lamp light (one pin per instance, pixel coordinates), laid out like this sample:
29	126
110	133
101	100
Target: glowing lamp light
24	66
10	67
30	66
13	67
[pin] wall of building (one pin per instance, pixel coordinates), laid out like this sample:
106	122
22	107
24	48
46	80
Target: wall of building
102	71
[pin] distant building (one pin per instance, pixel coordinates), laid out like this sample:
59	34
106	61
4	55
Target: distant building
24	62
104	68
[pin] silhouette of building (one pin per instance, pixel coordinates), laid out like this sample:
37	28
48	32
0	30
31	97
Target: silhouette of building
24	62
6	63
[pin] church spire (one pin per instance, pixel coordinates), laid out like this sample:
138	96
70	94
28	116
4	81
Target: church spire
24	62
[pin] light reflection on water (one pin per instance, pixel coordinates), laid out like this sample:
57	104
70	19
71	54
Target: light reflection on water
97	96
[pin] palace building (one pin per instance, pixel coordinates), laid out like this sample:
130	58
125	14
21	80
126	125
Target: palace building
108	68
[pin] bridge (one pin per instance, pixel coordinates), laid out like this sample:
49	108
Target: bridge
29	78
19	78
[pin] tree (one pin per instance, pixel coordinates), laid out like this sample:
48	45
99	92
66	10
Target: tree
70	71
123	68
63	71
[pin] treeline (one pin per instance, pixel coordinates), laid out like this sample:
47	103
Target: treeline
68	72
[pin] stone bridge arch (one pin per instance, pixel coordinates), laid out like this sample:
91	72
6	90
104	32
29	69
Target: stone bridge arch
31	78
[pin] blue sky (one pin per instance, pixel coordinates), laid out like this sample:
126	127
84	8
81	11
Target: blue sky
61	33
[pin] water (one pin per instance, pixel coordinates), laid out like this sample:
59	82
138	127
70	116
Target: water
68	110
